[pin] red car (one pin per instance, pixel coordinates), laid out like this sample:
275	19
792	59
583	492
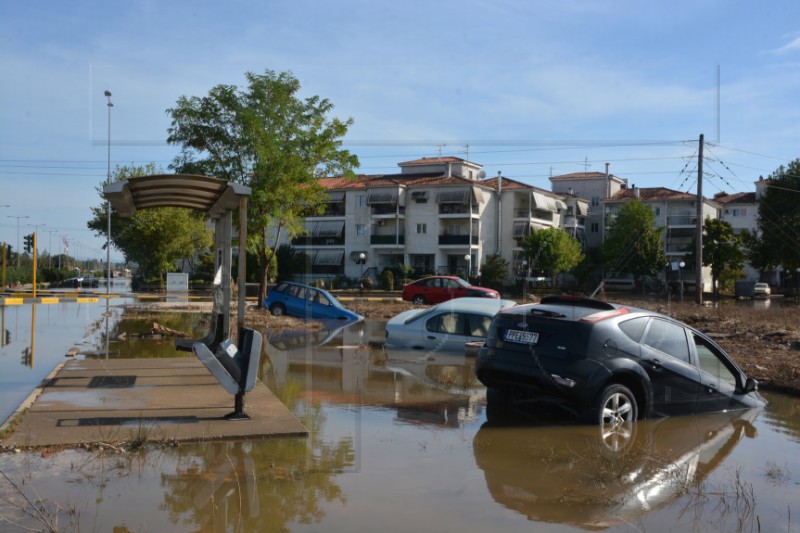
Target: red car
435	289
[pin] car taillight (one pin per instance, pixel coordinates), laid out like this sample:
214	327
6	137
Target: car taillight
602	315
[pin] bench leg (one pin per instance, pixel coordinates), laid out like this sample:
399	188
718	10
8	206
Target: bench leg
238	409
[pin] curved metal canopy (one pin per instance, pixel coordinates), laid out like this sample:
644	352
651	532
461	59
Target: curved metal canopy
191	191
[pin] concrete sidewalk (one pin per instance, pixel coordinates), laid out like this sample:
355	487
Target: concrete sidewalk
117	400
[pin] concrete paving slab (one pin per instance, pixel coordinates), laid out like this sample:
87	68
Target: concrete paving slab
113	400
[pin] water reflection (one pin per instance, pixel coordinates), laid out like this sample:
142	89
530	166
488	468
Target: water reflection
572	475
351	366
260	486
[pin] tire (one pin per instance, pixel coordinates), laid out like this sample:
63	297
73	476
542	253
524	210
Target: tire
418	300
614	410
277	310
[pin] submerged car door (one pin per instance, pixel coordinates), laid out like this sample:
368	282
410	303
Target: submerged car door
445	331
666	359
718	381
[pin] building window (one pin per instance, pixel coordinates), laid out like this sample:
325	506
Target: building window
422	228
594	227
658	211
595	201
361	200
361	230
739	212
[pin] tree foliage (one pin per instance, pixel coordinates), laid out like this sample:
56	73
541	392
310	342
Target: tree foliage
778	242
264	136
722	251
153	238
634	243
493	271
551	251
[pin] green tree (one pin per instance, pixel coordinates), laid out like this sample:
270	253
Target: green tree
778	242
551	251
267	137
493	271
153	238
722	251
634	243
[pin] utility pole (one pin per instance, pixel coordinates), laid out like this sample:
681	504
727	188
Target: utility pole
698	284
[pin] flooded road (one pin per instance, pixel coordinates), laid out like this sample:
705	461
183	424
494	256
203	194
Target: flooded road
399	442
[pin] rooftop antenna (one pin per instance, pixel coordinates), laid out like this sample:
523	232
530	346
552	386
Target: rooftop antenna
718	103
586	164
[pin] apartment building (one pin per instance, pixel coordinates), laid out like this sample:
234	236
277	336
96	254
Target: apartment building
740	210
591	187
438	215
676	212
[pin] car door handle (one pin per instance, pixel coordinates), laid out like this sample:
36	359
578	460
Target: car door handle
655	362
711	389
432	337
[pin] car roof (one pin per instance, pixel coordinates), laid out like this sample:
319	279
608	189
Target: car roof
475	304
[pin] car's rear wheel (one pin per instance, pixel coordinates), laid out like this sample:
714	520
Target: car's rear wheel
418	300
615	409
277	310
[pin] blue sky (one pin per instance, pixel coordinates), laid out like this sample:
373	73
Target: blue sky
526	88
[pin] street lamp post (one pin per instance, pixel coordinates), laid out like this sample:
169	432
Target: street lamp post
18	218
108	203
468	259
680	277
50	247
362	258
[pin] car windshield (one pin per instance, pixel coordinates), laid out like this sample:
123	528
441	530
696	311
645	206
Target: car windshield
462	282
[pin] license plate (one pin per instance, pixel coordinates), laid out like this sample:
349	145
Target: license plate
521	337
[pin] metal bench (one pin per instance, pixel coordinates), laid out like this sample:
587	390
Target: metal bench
235	367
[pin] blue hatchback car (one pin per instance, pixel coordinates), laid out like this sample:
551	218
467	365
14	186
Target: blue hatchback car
304	301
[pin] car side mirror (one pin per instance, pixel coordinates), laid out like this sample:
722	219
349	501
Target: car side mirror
750	385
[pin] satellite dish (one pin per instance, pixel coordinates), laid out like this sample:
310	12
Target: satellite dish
481	175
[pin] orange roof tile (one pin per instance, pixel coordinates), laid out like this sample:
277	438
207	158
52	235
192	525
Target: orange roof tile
650	193
736	198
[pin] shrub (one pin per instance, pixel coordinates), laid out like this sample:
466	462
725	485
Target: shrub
387	280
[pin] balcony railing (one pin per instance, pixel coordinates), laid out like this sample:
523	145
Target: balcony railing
388	209
683	220
457	209
457	239
387	239
308	240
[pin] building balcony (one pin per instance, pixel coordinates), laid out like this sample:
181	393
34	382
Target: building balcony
331	210
387	240
388	210
308	240
457	240
455	210
681	220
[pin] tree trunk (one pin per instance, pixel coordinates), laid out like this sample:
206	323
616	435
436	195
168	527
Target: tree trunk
263	267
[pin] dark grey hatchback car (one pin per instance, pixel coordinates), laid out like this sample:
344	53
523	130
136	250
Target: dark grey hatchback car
607	363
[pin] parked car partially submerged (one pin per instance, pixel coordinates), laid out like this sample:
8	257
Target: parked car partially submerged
304	301
436	289
446	326
608	363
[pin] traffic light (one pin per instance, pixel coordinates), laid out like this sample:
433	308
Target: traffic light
29	243
26	359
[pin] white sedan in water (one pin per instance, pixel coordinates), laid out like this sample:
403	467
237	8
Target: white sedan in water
447	326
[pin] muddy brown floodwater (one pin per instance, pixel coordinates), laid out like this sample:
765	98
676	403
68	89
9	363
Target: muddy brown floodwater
399	442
